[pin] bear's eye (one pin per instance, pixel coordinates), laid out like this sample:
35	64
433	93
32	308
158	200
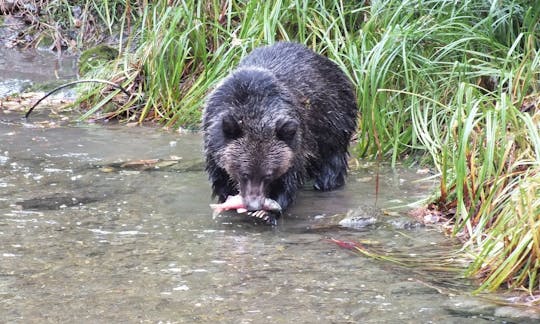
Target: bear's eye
231	127
286	129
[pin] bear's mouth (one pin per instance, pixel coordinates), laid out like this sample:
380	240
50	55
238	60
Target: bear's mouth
237	202
269	207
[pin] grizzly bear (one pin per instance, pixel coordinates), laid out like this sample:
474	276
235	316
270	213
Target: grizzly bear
285	115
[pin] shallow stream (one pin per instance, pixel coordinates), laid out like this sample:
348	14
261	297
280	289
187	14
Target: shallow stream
94	230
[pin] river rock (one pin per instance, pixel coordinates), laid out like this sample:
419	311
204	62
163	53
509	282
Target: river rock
360	217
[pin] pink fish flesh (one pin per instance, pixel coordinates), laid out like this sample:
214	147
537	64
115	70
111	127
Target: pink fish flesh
232	202
236	202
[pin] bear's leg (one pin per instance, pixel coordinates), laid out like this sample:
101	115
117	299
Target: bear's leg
331	171
284	190
284	199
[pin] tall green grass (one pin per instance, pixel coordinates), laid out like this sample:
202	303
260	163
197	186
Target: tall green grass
452	83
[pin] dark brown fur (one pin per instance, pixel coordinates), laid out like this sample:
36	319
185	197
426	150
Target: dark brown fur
285	115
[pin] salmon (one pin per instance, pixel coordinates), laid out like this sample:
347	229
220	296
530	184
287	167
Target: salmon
237	203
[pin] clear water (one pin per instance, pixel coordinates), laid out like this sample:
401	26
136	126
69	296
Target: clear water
22	69
80	242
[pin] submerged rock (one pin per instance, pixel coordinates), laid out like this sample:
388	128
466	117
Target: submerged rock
55	202
358	218
361	217
176	165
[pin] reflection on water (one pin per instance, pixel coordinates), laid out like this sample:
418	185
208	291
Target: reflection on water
79	242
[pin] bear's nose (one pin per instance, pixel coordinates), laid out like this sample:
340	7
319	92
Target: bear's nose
253	203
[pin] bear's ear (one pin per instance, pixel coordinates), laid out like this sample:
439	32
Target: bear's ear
230	127
286	129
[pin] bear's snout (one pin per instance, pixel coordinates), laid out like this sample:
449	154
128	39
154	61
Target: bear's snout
253	195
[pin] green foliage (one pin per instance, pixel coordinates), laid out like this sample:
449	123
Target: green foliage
454	81
95	57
